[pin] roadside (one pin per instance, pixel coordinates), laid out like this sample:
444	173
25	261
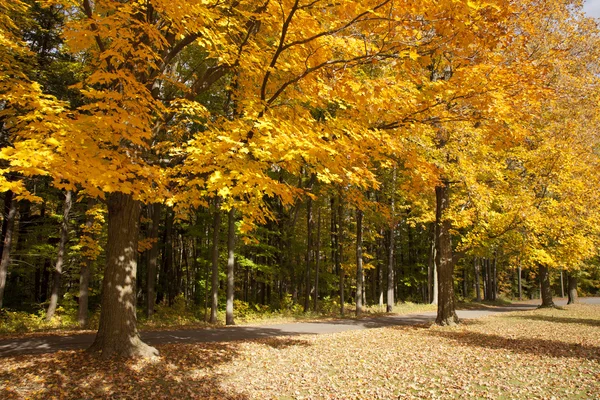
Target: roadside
53	343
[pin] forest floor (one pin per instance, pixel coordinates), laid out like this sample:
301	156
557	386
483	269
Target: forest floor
548	353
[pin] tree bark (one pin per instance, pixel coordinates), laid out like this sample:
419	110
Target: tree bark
215	266
446	313
390	271
155	211
117	334
86	267
10	210
546	290
317	260
60	258
519	283
495	278
572	288
230	267
359	262
309	246
436	290
339	256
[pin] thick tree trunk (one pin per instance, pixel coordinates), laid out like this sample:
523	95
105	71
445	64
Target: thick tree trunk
359	263
446	314
10	210
155	211
86	266
215	266
572	288
317	260
230	267
546	290
60	258
117	334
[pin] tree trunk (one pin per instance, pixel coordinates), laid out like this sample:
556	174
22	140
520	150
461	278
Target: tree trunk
86	267
215	266
390	271
562	284
477	283
155	211
519	283
317	260
495	278
230	266
168	271
446	313
60	258
10	209
340	219
117	334
309	246
546	290
572	288
436	290
465	284
359	262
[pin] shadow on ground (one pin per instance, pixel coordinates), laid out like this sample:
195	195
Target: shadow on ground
182	372
540	347
561	320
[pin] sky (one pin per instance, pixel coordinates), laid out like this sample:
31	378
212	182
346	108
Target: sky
592	8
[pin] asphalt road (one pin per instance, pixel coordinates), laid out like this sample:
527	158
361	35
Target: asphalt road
54	343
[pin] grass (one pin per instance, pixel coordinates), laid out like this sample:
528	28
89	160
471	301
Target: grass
535	354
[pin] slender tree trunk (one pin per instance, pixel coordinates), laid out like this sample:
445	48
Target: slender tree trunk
546	290
390	271
317	260
477	283
562	284
86	268
340	253
168	271
359	262
436	288
446	314
519	283
230	267
309	247
155	211
10	212
215	266
465	284
495	278
60	258
381	265
572	288
117	334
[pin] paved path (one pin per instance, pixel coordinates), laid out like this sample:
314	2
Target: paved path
52	343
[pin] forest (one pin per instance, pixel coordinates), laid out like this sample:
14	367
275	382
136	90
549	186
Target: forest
220	157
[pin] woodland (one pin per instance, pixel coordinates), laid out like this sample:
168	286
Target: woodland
209	159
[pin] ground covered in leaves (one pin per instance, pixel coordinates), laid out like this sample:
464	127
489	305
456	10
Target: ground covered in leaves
535	354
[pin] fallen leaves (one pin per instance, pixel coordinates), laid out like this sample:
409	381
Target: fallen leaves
535	354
